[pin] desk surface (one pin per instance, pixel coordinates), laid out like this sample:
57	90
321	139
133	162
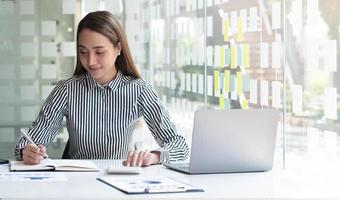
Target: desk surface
275	184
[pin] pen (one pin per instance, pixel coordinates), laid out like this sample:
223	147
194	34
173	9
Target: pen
28	137
30	140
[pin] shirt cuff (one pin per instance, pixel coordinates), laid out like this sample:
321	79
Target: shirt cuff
164	155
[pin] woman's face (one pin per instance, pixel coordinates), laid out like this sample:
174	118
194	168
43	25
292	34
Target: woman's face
98	55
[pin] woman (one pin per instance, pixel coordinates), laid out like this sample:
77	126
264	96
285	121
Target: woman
101	102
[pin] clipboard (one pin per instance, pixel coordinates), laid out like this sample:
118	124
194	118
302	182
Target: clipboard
148	185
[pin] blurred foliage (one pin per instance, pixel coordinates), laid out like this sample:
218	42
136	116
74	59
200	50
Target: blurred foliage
330	12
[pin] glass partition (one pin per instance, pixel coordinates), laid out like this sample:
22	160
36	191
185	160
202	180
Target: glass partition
197	54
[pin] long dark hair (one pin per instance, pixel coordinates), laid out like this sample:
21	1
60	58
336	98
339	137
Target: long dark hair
104	22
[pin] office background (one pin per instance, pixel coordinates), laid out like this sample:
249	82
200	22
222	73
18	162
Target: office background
216	54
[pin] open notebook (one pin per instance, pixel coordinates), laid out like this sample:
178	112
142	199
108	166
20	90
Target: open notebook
55	165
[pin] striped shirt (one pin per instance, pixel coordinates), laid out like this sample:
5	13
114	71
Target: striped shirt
100	119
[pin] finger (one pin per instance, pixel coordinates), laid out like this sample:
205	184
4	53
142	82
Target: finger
32	154
129	158
124	162
33	148
141	158
29	149
147	159
134	159
42	150
31	158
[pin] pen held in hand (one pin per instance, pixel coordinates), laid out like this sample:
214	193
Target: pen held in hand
28	137
30	140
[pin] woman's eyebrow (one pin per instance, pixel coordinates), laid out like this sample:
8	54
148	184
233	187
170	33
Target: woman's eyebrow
95	47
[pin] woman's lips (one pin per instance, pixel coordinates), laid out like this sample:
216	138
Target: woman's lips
94	68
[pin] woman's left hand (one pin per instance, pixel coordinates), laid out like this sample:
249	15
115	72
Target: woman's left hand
141	158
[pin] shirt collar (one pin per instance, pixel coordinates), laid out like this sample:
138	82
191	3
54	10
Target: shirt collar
91	83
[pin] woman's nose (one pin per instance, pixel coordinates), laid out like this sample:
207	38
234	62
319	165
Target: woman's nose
91	59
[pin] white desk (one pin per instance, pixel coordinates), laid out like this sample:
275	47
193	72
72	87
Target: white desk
276	184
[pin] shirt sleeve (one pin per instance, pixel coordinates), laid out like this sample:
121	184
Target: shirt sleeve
173	146
47	124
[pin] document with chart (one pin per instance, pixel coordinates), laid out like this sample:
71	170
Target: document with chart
148	185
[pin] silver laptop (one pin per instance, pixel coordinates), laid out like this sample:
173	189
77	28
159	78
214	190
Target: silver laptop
231	141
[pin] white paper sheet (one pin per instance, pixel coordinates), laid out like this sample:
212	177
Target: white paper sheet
297	99
188	55
276	49
253	19
7	135
244	19
164	78
217	56
28	92
200	84
31	177
312	54
168	79
330	103
329	55
193	4
209	26
194	56
49	28
7	72
182	75
253	91
217	85
69	49
200	4
264	55
194	83
27	113
210	85
69	6
26	7
296	16
209	55
225	18
188	82
177	5
276	15
141	185
264	92
49	71
49	49
7	93
173	80
276	94
330	144
6	8
233	22
28	71
28	49
9	117
27	28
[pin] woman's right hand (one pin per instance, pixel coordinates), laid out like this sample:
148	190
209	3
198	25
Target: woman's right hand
32	154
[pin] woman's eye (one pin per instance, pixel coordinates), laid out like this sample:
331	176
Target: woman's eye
98	53
82	52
